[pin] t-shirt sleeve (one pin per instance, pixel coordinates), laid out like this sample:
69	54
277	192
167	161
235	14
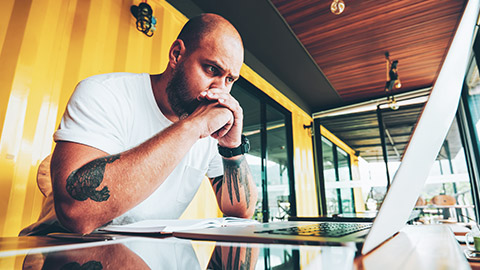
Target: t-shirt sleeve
215	167
92	117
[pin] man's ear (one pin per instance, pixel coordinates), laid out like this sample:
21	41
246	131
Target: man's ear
177	51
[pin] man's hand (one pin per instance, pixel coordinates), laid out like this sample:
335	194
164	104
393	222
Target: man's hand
212	119
230	134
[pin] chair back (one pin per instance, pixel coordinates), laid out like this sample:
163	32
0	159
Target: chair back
443	200
420	201
44	181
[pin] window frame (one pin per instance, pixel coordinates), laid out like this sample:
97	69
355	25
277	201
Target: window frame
320	176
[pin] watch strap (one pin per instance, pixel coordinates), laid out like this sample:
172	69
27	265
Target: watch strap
232	152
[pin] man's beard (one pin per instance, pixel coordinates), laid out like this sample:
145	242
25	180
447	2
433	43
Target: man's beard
179	95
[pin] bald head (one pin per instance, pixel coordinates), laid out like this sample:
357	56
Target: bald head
203	25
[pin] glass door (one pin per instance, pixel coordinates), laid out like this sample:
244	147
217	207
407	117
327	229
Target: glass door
277	164
267	126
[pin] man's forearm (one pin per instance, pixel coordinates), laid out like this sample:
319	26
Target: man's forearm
238	190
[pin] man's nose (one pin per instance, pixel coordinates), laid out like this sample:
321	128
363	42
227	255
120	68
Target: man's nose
220	83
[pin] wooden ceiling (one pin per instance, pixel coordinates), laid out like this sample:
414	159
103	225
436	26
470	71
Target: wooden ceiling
350	48
322	61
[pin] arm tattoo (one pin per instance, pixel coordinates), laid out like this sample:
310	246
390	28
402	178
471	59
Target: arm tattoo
82	183
236	172
236	262
233	260
229	258
216	261
90	265
217	183
248	259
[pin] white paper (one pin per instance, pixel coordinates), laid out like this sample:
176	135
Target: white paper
168	226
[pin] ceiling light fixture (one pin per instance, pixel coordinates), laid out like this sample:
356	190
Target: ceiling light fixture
337	7
392	81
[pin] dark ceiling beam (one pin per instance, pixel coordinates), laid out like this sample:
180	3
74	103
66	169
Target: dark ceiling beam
361	146
350	129
404	125
362	138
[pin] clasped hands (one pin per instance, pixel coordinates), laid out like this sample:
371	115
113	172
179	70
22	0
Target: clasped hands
221	115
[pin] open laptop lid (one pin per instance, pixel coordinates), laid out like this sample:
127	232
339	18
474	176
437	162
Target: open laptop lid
428	136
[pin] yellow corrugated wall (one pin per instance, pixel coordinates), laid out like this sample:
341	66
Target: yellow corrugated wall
47	47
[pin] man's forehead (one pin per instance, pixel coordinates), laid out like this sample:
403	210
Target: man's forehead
225	50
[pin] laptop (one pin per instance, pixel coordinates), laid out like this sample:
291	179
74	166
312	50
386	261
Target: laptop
419	156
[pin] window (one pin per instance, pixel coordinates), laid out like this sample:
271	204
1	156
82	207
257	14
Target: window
268	127
469	126
448	176
451	175
337	175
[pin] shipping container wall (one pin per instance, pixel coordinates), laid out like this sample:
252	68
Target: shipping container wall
47	47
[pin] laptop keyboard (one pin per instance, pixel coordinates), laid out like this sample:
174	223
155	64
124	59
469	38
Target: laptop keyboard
327	229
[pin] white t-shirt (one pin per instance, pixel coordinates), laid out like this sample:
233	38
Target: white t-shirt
171	253
116	112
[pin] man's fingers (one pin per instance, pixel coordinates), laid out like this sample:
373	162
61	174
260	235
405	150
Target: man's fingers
210	95
225	129
222	131
229	133
220	119
214	94
231	104
225	100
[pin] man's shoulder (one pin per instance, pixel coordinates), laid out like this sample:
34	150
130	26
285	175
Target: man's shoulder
108	78
110	85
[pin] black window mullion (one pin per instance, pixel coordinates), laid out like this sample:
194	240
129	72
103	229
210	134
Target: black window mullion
337	178
351	179
291	175
320	178
263	140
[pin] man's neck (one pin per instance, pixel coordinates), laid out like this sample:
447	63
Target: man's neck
159	85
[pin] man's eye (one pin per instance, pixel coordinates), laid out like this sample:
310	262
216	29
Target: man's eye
230	80
212	69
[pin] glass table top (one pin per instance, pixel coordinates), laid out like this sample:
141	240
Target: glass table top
167	253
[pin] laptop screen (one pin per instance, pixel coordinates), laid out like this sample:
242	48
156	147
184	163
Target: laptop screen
428	136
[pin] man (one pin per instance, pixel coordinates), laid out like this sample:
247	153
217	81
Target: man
136	146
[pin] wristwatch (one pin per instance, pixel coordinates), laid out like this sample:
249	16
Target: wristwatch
240	150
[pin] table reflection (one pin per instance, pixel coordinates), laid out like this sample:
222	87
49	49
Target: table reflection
145	254
116	256
151	253
230	257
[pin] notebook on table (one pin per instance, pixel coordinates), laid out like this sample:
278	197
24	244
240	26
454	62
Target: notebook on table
168	226
420	154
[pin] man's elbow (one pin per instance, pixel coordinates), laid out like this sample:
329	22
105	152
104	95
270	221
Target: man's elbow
240	211
74	219
248	213
240	214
